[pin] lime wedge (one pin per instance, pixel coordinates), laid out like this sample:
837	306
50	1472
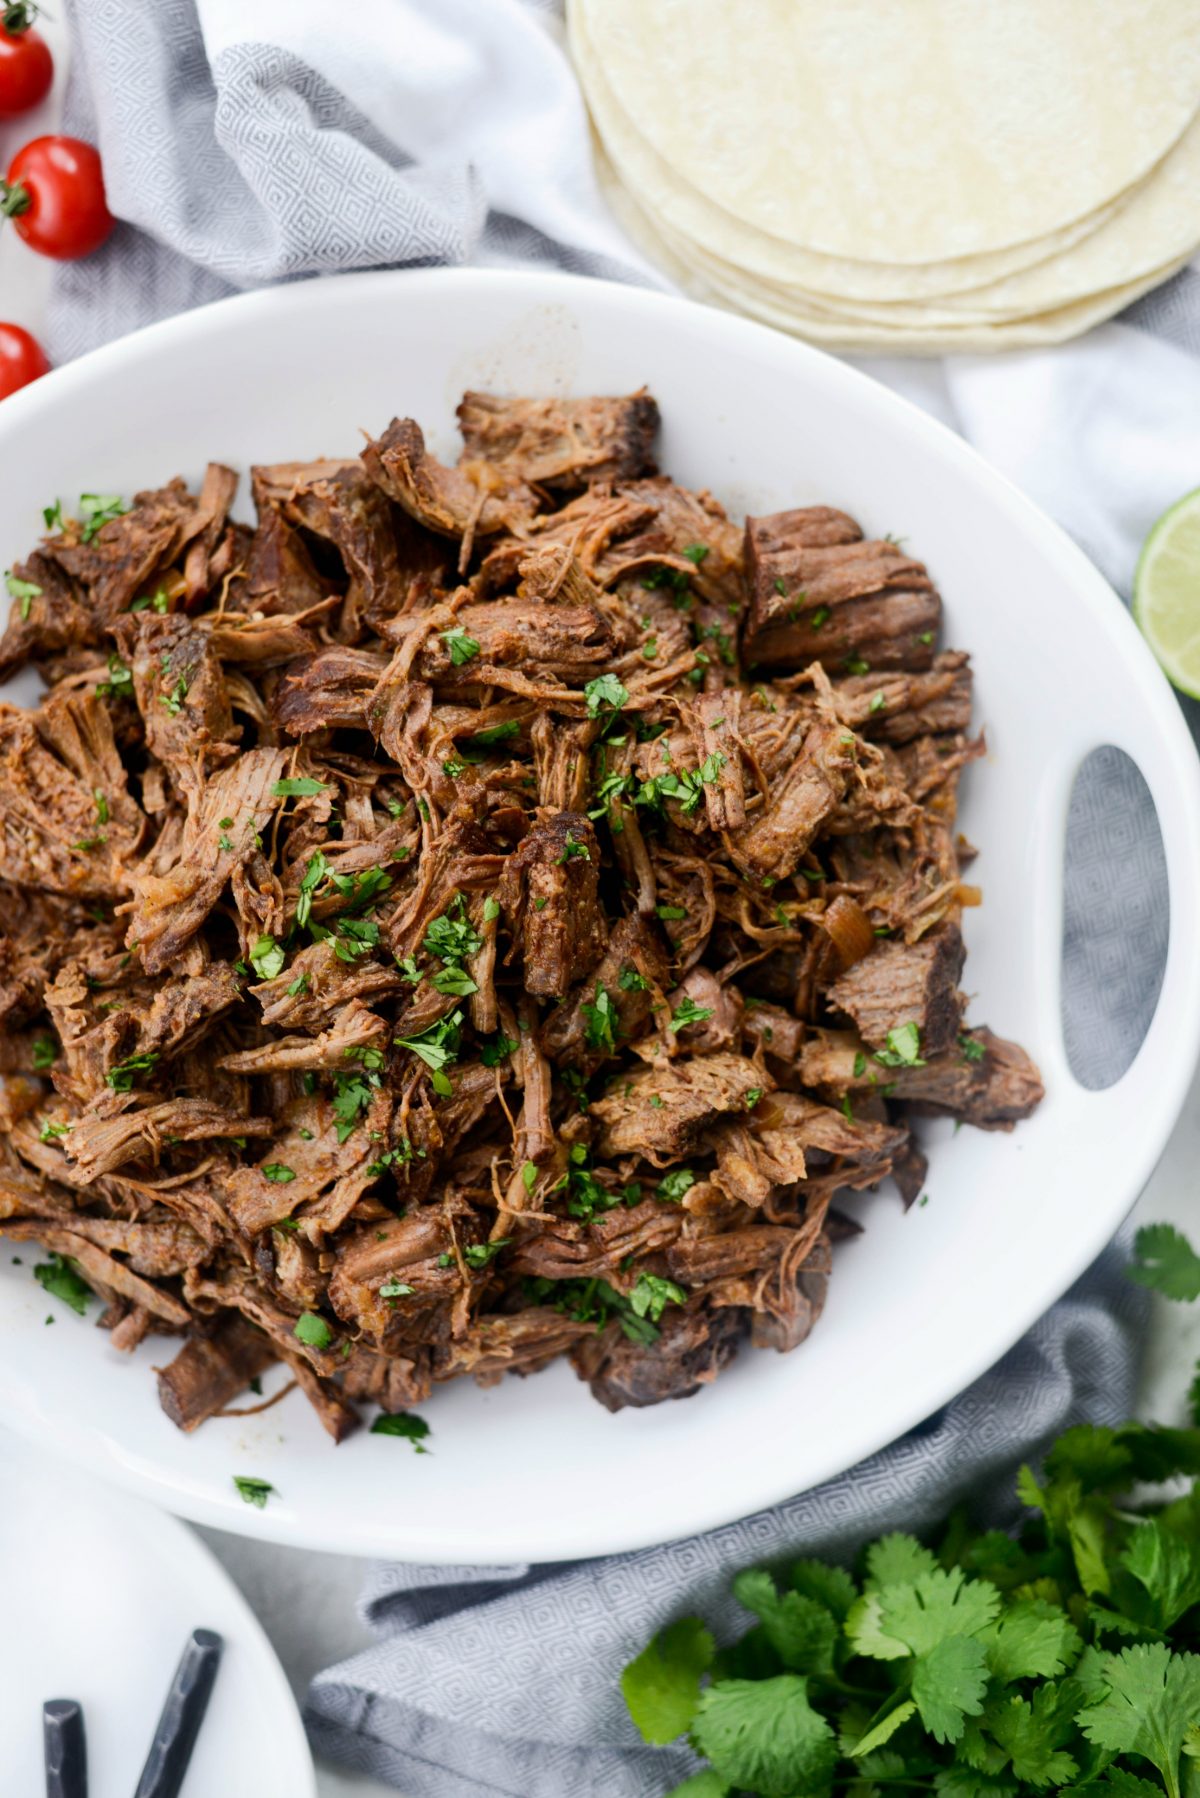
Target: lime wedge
1166	593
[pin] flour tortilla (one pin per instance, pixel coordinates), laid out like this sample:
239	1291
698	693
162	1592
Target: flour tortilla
904	131
1157	223
679	206
850	335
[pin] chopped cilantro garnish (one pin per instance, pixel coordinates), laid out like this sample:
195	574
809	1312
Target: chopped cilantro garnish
903	1047
312	1330
673	1185
604	694
688	1012
301	786
279	1173
630	981
461	647
437	1046
254	1492
60	1278
267	958
45	1052
479	1254
96	509
402	1423
600	1021
121	1077
498	1050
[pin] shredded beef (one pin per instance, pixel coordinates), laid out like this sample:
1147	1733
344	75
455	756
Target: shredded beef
477	915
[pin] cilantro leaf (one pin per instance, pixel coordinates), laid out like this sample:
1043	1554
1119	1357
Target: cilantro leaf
903	1048
1167	1568
1152	1698
765	1736
688	1012
301	786
1035	1733
254	1492
1166	1262
402	1423
267	958
61	1279
948	1684
898	1560
312	1330
604	694
830	1586
662	1686
800	1630
1031	1640
600	1022
462	648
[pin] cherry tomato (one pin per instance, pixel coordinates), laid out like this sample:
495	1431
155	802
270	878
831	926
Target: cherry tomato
26	65
54	195
22	359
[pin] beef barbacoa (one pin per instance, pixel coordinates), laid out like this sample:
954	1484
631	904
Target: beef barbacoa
478	914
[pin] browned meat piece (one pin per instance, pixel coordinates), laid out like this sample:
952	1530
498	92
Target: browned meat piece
216	497
327	691
662	1112
180	690
443	499
906	983
48	621
550	892
281	575
897	707
126	554
56	832
172	902
693	1347
210	1371
561	443
818	592
568	643
446	944
774	840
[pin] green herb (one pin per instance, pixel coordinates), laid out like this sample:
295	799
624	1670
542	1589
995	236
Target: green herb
650	648
672	1186
903	1048
267	958
651	1295
856	665
396	1289
453	766
1166	1262
312	1331
45	1053
539	905
630	981
53	516
279	1173
752	1097
877	702
453	937
96	509
159	602
301	786
175	698
49	1132
926	637
119	682
604	694
461	647
298	985
495	734
688	1012
818	618
860	1064
970	1048
1058	1659
498	1050
572	850
455	981
437	1046
121	1077
402	1423
600	1022
314	874
61	1279
254	1492
696	552
491	910
478	1254
25	591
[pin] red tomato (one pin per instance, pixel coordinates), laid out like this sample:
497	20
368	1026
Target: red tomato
21	359
26	65
54	195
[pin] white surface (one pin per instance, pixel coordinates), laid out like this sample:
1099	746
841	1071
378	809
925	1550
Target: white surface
923	1302
101	1592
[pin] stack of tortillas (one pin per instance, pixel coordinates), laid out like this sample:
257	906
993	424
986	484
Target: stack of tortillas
908	175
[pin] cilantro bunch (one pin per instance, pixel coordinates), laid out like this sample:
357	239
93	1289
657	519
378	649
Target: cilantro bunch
1061	1658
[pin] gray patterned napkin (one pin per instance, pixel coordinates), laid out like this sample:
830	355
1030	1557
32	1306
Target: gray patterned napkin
245	144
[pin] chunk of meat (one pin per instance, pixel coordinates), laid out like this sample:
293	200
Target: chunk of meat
906	983
171	902
550	891
563	642
180	690
631	967
216	497
327	691
561	443
819	592
123	558
898	706
662	1112
51	821
774	840
693	1347
993	1091
443	499
281	576
210	1371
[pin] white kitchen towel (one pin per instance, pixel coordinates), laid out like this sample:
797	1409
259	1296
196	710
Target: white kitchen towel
247	141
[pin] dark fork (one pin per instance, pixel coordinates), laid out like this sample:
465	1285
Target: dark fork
65	1748
182	1715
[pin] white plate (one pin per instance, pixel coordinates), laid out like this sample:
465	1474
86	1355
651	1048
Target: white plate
919	1305
101	1592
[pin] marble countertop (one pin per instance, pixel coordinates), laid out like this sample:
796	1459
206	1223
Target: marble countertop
307	1601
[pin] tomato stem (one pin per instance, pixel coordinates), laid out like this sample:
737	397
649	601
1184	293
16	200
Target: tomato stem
18	16
16	199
